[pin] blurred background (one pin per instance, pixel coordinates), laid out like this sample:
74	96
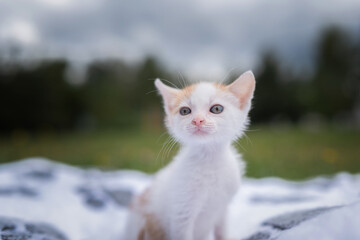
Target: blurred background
76	79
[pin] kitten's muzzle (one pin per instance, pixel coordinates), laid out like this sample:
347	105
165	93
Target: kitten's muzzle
198	121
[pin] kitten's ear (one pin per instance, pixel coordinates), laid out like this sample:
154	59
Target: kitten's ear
243	88
168	94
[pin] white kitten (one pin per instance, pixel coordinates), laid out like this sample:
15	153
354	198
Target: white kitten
188	199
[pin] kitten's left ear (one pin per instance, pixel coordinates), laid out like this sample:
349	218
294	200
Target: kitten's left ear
243	88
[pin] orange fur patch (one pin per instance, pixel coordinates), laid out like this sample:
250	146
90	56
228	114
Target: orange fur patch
242	98
187	91
143	199
182	95
221	86
152	229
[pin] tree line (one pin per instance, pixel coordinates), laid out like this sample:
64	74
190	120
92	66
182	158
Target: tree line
116	94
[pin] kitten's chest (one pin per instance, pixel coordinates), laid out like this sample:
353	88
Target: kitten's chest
216	186
222	181
215	178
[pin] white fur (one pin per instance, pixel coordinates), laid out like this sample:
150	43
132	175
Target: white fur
190	196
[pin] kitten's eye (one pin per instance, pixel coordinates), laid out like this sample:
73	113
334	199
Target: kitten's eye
185	111
217	109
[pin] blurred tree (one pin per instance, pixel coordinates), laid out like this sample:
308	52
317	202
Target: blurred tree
335	68
145	96
268	99
107	91
148	71
36	97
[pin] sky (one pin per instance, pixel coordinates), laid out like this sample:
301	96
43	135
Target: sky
205	38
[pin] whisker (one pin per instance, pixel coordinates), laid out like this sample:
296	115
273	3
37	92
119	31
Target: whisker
183	79
171	147
228	74
171	139
247	138
158	139
163	147
171	83
151	91
253	130
167	147
237	143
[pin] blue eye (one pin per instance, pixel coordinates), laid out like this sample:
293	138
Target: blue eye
185	111
216	109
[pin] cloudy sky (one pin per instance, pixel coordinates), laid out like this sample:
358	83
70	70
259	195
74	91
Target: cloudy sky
197	37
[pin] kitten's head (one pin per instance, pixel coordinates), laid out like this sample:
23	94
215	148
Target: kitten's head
208	112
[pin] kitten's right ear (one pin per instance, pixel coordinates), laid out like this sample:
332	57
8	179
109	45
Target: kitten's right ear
168	94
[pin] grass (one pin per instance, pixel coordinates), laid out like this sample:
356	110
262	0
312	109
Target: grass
291	153
295	153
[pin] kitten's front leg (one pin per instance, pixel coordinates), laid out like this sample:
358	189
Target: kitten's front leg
182	226
220	229
185	210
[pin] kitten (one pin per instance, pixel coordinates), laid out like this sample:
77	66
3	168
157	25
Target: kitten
188	199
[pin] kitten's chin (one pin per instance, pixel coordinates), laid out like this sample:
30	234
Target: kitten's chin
199	136
199	132
196	136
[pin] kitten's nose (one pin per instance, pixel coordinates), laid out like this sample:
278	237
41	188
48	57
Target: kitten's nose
198	121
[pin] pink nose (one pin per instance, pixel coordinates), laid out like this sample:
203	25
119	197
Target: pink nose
198	121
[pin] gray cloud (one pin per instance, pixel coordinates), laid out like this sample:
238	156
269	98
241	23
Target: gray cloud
198	37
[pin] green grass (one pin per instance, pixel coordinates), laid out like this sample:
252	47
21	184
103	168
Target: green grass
290	153
297	153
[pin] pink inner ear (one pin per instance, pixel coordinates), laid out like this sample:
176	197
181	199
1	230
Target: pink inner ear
168	94
243	88
247	95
